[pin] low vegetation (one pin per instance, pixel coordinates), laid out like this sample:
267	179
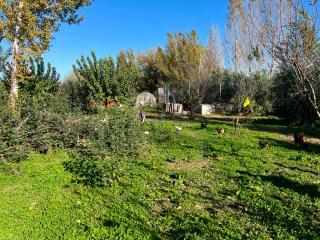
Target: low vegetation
191	184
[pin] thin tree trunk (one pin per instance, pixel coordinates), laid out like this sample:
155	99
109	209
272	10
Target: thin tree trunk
313	101
13	97
318	114
14	76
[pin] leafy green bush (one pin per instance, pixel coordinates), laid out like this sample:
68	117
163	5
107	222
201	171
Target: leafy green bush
102	145
38	126
124	134
94	172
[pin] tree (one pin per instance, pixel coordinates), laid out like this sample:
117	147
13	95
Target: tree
180	60
97	76
290	104
151	75
28	26
77	94
299	55
40	79
212	64
255	29
127	74
104	79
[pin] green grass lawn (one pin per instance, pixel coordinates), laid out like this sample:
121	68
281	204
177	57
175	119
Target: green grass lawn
193	184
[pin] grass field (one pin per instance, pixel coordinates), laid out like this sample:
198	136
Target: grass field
193	184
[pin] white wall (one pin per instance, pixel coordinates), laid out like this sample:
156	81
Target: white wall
207	109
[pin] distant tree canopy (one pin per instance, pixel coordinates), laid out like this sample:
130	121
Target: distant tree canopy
152	76
280	39
179	61
184	64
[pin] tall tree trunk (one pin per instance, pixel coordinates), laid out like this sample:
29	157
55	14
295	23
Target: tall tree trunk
13	97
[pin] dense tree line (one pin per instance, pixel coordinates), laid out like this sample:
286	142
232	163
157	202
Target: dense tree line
269	55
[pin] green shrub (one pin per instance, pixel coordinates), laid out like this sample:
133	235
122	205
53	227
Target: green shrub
124	134
13	144
290	104
103	145
93	172
38	126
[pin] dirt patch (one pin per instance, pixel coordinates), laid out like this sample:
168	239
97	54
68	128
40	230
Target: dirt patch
187	165
161	205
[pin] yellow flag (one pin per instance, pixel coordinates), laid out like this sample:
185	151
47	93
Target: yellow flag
246	103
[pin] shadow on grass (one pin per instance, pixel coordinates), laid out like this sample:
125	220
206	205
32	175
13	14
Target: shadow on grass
311	148
281	127
279	181
179	118
297	169
270	121
312	190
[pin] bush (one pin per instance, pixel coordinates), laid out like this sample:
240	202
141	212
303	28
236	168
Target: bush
102	145
93	172
124	133
37	126
13	144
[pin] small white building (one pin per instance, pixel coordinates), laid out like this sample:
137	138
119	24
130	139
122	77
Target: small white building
146	99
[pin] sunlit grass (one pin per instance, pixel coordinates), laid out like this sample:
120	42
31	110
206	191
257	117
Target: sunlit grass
193	184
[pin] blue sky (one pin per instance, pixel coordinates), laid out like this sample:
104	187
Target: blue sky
112	25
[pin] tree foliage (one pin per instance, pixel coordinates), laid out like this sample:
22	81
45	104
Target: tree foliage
180	60
77	94
104	79
28	26
298	58
40	79
152	76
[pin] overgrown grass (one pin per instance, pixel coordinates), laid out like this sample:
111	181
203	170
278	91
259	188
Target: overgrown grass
192	184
